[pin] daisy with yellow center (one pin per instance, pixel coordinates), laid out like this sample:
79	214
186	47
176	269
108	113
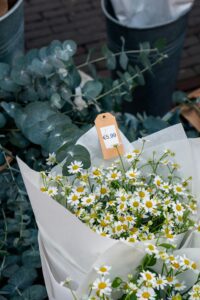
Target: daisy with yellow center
151	249
132	174
157	181
88	200
130	156
178	208
73	199
103	270
114	175
75	167
146	293
102	286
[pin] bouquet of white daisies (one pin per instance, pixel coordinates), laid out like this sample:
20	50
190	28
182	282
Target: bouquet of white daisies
107	215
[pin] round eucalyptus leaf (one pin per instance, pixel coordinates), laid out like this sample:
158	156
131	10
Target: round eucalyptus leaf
62	54
2	120
20	77
9	85
61	153
23	277
92	89
78	153
33	53
70	46
56	101
42	53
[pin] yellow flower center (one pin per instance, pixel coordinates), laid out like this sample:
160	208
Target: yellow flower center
186	262
169	279
194	266
103	223
178	207
74	198
113	175
129	218
137	151
178	189
158	182
133	174
43	189
75	167
103	269
96	172
102	285
141	194
146	295
103	190
176	265
129	156
135	204
151	247
149	204
88	200
159	281
119	228
80	189
148	276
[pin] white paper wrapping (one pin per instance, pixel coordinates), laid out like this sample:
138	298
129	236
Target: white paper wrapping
149	13
70	248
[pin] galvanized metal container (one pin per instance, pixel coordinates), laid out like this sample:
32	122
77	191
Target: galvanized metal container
12	33
155	98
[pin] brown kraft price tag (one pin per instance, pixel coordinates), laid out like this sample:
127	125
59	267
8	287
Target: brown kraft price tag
109	136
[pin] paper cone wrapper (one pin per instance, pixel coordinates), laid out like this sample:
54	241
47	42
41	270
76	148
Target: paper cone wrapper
70	248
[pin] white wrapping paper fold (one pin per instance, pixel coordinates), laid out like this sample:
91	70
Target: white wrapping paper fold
149	13
70	248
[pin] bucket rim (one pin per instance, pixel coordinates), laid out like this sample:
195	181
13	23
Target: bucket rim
140	28
11	11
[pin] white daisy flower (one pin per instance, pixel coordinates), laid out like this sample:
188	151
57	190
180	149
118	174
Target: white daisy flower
75	167
52	191
114	175
51	160
146	293
130	156
160	282
102	286
148	276
142	194
88	200
178	208
96	173
151	249
179	189
102	190
149	205
103	270
73	199
158	181
185	262
179	286
132	174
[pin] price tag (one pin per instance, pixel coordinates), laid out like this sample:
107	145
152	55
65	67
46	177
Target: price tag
109	135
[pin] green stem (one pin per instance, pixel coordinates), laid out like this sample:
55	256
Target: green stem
115	54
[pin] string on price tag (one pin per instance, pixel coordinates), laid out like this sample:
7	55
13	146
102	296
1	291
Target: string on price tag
109	135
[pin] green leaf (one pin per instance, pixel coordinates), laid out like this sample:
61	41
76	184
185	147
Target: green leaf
70	46
116	282
34	292
167	246
31	258
78	153
160	44
92	89
123	60
56	101
110	58
23	277
62	152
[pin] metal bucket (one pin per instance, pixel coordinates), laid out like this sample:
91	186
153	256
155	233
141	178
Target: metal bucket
12	33
155	98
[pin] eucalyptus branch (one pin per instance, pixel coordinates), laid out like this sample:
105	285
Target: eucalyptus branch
130	79
155	50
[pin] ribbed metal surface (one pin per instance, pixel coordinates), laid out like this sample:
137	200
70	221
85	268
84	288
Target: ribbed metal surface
12	33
